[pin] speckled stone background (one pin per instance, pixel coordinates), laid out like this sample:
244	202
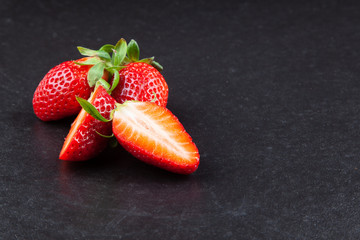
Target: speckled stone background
269	91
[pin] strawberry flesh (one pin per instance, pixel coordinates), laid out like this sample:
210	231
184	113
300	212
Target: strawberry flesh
154	135
82	142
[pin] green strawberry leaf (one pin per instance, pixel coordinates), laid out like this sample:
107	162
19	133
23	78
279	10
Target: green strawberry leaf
147	60
90	61
115	81
126	60
103	54
86	51
107	48
103	83
157	66
95	73
133	50
91	53
90	109
118	68
153	63
120	52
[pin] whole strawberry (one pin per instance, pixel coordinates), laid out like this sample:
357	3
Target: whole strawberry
140	81
55	96
135	79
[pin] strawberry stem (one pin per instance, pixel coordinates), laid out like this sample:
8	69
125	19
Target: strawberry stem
105	136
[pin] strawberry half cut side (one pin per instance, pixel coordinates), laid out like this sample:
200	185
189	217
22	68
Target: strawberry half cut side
83	141
154	135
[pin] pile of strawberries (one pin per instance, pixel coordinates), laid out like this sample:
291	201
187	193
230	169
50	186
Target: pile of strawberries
126	99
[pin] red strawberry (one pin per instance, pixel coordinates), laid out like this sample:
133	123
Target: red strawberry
140	81
54	98
82	142
154	135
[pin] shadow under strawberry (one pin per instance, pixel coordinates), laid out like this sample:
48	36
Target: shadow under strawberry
118	162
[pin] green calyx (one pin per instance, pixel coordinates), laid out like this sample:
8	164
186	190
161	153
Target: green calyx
133	51
99	59
133	54
112	58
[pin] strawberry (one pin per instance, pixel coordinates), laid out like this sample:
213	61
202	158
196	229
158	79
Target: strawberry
154	135
140	81
54	98
146	129
135	79
84	141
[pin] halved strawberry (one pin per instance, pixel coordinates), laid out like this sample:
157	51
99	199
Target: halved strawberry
83	141
154	135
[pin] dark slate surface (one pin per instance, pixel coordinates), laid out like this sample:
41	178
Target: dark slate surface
270	93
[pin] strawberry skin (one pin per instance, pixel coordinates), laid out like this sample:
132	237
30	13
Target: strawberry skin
54	98
82	142
154	135
139	81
